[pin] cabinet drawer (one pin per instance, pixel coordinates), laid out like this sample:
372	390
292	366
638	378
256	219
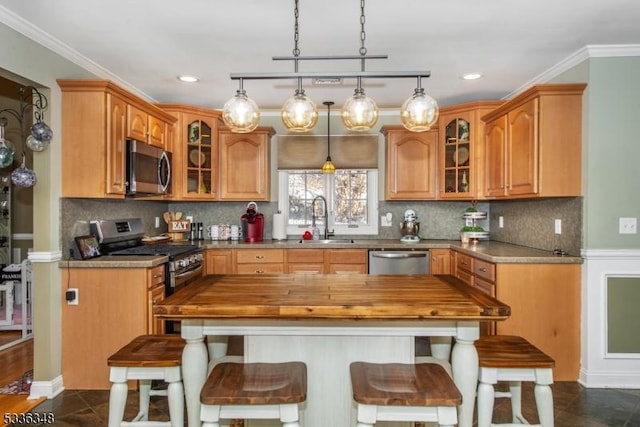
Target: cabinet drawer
348	256
259	256
260	268
305	256
465	276
486	287
464	262
305	268
348	268
155	275
485	270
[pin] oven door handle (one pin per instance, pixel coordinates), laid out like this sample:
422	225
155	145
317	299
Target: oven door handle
188	274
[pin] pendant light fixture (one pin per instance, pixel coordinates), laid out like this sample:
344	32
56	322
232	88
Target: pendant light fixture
419	112
328	166
241	113
299	113
359	112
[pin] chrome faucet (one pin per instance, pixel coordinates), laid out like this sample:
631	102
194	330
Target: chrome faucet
327	233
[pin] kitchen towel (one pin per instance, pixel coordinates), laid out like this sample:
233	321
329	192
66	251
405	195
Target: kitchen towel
279	227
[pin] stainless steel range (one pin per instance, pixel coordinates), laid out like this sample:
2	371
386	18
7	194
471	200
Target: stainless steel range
123	237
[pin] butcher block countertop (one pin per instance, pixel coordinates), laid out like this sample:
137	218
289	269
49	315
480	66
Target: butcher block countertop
349	296
490	251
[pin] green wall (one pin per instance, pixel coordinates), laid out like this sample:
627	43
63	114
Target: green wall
612	175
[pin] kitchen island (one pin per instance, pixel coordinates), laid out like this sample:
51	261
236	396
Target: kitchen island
328	321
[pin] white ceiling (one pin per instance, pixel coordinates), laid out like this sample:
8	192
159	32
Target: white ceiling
145	44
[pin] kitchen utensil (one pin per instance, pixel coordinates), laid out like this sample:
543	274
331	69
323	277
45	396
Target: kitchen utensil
167	217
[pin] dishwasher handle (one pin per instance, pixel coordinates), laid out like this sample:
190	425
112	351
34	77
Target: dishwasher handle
399	255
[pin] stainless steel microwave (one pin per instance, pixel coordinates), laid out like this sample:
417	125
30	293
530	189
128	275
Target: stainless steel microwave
148	169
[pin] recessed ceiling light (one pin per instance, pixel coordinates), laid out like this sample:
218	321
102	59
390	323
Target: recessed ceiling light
471	76
188	79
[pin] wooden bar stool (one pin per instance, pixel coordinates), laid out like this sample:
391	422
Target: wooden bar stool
513	359
257	391
147	358
421	392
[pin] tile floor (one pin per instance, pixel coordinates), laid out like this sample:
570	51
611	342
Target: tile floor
574	406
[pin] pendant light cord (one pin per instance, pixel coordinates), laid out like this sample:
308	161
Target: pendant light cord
328	104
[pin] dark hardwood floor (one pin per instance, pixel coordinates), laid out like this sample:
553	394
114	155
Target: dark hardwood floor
574	405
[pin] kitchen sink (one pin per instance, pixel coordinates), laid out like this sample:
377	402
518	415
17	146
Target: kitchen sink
328	241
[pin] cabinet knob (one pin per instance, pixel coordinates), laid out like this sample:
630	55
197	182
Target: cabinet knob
259	256
259	271
484	270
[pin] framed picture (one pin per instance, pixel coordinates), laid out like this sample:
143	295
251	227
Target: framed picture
87	247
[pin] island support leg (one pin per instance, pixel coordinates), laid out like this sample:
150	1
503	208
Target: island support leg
464	363
194	368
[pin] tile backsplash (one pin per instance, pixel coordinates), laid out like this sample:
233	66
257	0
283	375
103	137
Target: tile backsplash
527	223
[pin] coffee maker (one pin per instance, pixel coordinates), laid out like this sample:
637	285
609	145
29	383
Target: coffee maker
252	224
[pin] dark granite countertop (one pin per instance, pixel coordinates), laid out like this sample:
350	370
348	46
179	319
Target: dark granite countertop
491	251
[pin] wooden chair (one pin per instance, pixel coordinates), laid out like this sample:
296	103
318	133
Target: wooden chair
254	391
421	392
147	358
513	359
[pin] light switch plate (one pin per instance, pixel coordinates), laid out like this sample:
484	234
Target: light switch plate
385	220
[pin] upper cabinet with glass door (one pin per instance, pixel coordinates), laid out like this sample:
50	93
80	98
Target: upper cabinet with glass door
461	132
195	152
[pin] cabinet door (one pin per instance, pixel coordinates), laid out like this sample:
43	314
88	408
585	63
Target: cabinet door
244	165
116	145
155	325
137	124
200	157
457	156
440	261
495	160
410	165
522	149
218	261
157	132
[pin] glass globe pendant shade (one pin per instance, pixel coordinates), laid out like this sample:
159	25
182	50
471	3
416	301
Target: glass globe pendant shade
299	113
23	176
36	145
241	113
419	112
360	112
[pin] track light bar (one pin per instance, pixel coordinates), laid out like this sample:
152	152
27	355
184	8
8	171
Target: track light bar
332	75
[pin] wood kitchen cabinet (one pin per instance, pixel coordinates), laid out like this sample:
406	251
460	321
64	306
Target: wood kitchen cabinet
114	306
218	261
94	133
440	261
145	127
258	261
533	144
460	149
245	164
195	152
544	301
348	261
411	157
305	261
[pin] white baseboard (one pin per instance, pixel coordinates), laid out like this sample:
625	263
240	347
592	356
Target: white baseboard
610	379
48	389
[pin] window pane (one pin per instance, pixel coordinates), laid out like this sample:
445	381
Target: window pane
303	187
351	197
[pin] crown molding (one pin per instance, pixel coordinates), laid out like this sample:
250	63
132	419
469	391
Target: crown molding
43	38
579	56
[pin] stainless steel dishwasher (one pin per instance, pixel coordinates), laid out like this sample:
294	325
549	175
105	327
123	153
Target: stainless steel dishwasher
399	262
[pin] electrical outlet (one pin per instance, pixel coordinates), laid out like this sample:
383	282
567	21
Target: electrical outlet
628	226
500	221
72	296
558	226
157	222
385	220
